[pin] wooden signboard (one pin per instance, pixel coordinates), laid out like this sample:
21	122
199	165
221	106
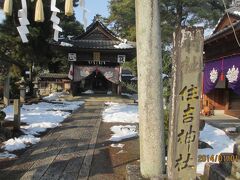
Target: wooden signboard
185	103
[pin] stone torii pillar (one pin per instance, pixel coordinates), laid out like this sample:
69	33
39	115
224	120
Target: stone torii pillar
149	60
6	90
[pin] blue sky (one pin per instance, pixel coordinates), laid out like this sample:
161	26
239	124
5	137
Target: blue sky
93	6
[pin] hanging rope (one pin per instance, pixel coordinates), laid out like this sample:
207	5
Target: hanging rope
234	32
68	7
7	7
39	12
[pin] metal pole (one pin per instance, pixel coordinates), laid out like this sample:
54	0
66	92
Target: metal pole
149	60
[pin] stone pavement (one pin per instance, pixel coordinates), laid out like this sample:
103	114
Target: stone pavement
65	152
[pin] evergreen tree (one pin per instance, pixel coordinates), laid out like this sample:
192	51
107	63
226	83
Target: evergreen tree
173	13
37	51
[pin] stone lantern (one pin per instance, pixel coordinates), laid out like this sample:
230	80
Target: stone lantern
36	87
22	88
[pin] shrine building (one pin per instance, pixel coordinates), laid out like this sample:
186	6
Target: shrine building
95	59
221	81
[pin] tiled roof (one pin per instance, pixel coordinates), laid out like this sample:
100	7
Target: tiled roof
97	36
93	26
235	14
126	71
53	75
236	26
96	44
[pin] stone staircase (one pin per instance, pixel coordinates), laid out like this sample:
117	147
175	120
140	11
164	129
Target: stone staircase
227	169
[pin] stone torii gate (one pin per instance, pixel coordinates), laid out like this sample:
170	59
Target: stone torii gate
187	65
150	87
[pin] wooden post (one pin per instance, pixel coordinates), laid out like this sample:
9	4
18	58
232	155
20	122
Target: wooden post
17	114
22	94
6	91
150	91
185	103
120	81
119	89
227	100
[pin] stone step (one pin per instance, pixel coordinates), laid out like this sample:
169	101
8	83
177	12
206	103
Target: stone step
231	164
216	172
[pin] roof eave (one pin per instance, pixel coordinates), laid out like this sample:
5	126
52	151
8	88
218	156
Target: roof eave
225	31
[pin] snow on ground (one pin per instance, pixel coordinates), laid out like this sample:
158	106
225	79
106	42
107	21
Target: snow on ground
109	93
117	145
123	132
122	113
38	118
55	96
20	142
127	94
7	155
218	140
88	92
131	96
121	152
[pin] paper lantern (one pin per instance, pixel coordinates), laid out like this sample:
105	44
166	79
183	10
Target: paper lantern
7	7
68	7
39	13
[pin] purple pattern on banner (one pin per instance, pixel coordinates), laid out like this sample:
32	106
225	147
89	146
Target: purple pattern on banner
229	63
208	85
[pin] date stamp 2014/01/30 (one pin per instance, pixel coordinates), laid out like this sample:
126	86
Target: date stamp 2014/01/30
218	158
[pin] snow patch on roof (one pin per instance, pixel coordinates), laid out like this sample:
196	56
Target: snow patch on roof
123	45
66	44
236	12
88	92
